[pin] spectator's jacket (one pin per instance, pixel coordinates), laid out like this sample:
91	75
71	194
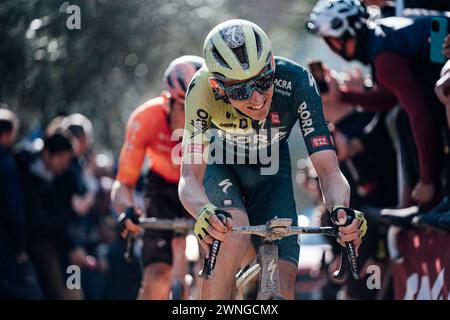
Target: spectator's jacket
12	232
45	219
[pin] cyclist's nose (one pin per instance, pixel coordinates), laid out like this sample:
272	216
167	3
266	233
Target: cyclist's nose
256	98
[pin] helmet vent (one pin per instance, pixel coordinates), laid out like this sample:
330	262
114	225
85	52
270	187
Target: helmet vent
218	57
180	79
241	55
169	82
336	23
258	44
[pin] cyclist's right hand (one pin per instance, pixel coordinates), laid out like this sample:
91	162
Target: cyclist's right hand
129	222
208	227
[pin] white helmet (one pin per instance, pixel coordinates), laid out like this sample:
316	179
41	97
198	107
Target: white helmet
337	18
179	73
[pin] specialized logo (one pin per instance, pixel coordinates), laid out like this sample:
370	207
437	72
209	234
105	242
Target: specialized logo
225	184
275	118
306	123
271	268
319	141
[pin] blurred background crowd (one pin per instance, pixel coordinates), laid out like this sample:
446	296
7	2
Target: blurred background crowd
66	96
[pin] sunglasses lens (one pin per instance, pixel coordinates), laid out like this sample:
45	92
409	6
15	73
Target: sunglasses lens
238	92
264	83
243	91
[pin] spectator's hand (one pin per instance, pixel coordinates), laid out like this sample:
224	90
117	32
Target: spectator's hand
446	46
78	257
353	80
333	95
423	193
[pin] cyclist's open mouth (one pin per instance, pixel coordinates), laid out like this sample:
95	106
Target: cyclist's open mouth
258	107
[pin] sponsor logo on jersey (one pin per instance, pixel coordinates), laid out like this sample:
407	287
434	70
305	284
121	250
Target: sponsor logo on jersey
260	139
227	125
306	123
283	87
201	123
195	148
283	84
319	141
243	124
275	118
230	116
225	184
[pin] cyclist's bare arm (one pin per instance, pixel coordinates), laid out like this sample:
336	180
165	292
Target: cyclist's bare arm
121	196
193	197
335	191
334	186
190	188
130	163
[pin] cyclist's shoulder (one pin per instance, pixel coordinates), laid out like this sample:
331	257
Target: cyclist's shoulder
287	69
151	110
199	84
287	65
200	93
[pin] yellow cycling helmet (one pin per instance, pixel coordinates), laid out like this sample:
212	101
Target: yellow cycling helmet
236	49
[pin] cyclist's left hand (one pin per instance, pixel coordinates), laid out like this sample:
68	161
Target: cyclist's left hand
354	231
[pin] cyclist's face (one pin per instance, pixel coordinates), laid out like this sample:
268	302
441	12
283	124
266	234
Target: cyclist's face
341	46
257	106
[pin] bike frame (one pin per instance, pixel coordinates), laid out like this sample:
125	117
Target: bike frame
266	261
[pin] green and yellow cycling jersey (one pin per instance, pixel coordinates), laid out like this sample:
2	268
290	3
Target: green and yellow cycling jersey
296	97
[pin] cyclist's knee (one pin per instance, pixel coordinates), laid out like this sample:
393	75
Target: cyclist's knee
238	242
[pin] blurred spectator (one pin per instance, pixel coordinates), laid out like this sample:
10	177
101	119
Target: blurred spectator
45	223
388	7
17	277
364	149
443	84
398	51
